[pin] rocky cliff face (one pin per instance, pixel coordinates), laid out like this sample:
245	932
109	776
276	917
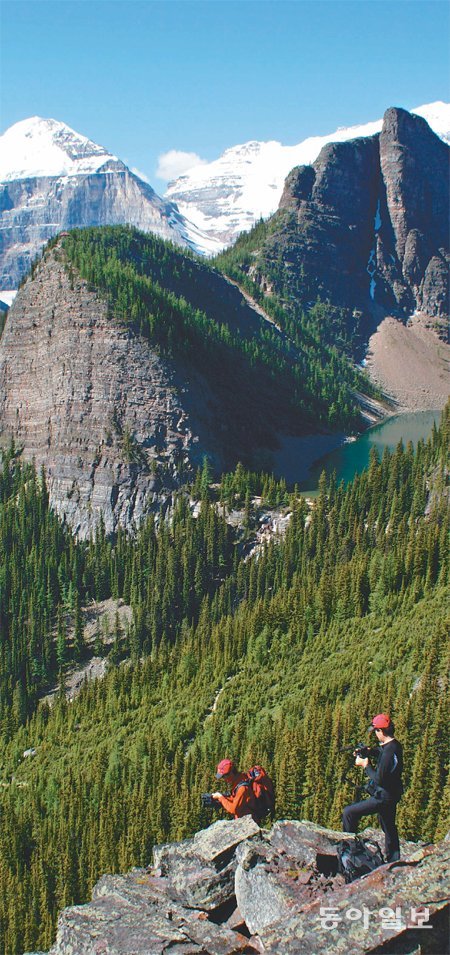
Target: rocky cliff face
412	254
116	426
367	223
236	888
73	387
34	210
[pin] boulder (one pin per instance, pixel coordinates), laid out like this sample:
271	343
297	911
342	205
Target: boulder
375	913
305	840
110	926
275	878
200	871
133	914
294	866
289	899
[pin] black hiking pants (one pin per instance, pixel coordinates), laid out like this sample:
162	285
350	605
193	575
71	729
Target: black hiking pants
386	815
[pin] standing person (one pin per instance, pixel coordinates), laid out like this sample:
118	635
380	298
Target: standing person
385	786
241	801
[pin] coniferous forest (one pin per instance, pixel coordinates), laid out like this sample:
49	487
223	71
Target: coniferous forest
279	657
177	302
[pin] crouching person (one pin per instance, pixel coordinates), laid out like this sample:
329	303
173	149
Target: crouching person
240	801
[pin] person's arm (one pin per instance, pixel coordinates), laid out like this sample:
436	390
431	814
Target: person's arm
366	765
371	771
387	764
232	803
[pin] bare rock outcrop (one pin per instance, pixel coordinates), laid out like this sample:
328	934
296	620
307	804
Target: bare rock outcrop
367	224
200	871
35	209
235	888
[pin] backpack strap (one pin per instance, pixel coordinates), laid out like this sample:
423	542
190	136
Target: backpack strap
245	782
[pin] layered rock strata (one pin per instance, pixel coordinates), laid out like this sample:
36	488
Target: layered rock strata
34	209
89	400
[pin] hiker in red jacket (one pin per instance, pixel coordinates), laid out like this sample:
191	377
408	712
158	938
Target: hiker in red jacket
241	801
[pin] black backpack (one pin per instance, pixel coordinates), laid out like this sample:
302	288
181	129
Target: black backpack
358	857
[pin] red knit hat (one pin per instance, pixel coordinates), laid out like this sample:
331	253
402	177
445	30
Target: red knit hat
225	767
380	722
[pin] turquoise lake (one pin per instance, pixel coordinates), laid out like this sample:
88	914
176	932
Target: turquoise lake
302	460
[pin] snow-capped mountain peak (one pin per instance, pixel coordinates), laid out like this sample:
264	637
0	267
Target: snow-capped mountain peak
38	147
53	178
228	195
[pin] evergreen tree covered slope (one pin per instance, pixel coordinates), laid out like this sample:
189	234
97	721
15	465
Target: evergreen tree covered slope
185	307
280	659
266	263
124	361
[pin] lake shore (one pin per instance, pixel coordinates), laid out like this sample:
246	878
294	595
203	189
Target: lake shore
410	364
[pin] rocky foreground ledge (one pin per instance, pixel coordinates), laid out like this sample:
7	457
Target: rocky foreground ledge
235	888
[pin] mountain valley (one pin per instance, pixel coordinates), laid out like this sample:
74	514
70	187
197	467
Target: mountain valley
124	362
165	601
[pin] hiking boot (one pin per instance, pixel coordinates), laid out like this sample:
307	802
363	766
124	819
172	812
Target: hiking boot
394	857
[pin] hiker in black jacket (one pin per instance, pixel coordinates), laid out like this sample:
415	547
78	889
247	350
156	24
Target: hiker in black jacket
385	786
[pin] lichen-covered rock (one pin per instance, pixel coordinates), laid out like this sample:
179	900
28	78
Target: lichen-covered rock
285	903
363	924
133	914
105	927
296	864
305	840
200	871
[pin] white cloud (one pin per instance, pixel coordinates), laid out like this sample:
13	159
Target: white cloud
137	172
176	162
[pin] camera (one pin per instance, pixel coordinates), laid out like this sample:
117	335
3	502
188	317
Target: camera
208	801
362	750
359	749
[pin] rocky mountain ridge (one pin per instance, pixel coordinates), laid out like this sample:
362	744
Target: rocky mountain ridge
52	178
366	226
228	195
235	888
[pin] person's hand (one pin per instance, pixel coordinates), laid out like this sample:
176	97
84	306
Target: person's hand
216	795
359	761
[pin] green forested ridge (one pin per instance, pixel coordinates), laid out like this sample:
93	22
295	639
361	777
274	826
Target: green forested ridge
260	261
184	307
346	616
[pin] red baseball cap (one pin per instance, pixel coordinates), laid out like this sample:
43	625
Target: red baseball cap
225	766
380	722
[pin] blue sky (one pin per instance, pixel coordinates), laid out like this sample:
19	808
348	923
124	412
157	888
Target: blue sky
146	77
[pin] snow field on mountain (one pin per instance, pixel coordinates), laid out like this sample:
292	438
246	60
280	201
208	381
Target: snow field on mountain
39	147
